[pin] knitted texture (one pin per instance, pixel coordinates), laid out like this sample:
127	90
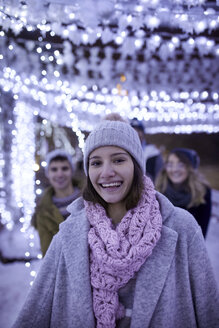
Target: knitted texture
190	154
114	133
117	254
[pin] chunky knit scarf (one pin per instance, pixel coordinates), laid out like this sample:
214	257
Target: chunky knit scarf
117	254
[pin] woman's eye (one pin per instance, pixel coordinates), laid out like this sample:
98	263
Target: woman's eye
119	160
95	163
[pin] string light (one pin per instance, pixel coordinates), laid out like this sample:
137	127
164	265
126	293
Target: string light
22	157
72	102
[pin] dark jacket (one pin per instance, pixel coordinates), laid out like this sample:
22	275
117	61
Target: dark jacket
202	213
153	160
182	198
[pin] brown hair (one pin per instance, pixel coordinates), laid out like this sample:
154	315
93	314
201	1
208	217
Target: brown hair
195	184
133	197
115	117
59	158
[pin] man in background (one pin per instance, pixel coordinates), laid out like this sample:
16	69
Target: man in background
51	209
152	155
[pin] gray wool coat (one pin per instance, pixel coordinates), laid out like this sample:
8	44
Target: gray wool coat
175	287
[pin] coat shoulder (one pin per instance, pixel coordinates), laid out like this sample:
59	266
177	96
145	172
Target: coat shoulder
76	214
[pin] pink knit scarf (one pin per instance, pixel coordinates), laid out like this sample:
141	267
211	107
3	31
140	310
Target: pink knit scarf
117	254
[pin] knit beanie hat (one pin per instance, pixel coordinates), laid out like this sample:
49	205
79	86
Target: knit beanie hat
190	154
136	124
114	133
55	153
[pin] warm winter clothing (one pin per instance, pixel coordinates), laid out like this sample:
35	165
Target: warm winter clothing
202	213
47	217
117	254
182	198
174	288
153	160
190	154
152	155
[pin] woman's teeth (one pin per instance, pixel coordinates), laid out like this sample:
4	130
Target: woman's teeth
113	184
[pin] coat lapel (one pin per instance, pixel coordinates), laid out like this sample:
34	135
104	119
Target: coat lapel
151	278
76	253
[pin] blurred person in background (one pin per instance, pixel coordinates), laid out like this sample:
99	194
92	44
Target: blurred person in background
182	183
63	189
152	155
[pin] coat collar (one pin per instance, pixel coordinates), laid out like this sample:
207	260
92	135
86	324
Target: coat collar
166	207
76	252
150	279
153	273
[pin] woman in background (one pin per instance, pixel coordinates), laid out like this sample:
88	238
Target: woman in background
182	183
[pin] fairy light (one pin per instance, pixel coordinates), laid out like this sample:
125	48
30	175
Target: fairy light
153	101
22	157
39	50
147	106
6	216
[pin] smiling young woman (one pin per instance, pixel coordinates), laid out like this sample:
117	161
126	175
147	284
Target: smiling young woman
116	259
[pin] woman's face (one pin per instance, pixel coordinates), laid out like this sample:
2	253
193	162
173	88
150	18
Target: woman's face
177	171
111	172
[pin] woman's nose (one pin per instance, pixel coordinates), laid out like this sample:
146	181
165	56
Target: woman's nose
107	170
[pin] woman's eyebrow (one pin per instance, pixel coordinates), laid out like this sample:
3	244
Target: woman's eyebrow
94	157
120	153
114	154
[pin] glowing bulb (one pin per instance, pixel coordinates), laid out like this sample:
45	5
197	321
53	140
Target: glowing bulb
56	74
119	40
48	46
71	15
36	167
129	18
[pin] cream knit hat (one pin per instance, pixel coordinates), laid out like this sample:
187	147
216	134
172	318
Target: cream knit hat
114	133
